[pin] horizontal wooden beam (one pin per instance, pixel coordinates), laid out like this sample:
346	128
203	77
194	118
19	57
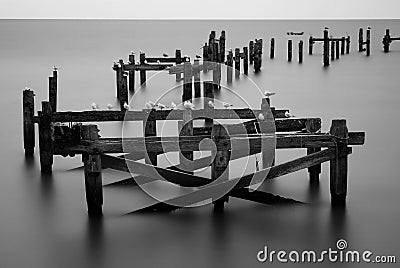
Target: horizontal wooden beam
192	143
146	67
318	39
103	116
165	59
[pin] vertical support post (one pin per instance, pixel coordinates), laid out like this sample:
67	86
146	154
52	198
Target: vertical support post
118	71
237	62
220	164
46	138
313	125
339	165
222	39
150	130
257	56
272	49
337	49
186	129
217	75
310	45
386	41
215	51
93	177
301	51
196	75
332	50
123	98
178	60
53	91
251	51
290	50
187	82
28	107
348	44
132	73
208	97
360	40
343	41
245	60
142	72
265	104
260	50
326	48
206	59
368	42
229	69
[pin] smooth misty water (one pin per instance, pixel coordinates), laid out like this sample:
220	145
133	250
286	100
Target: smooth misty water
43	221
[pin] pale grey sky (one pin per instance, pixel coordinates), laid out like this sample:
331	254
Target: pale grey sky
200	9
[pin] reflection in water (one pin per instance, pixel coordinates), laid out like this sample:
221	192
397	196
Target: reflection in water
95	237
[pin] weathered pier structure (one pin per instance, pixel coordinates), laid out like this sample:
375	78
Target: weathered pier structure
255	54
364	45
78	138
387	40
335	43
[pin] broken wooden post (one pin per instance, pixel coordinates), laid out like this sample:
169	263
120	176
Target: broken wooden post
186	129
150	130
360	40
28	107
222	39
265	154
313	125
46	138
205	57
272	49
216	52
132	73
332	50
196	76
93	177
123	97
53	91
187	82
338	165
208	88
220	164
229	69
326	48
245	60
257	55
251	51
237	62
290	50
337	49
343	41
142	72
310	45
386	41
348	44
301	51
118	70
368	42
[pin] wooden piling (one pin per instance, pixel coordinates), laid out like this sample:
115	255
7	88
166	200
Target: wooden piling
222	40
272	49
386	41
93	176
264	126
290	50
245	61
257	55
339	165
343	42
220	164
313	125
326	48
142	72
186	129
237	62
123	98
360	40
310	45
53	91
206	58
251	52
229	69
132	74
332	50
208	96
196	76
118	71
337	49
28	107
150	130
348	44
46	138
368	42
301	51
187	82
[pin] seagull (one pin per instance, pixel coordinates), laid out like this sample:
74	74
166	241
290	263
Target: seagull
261	117
145	61
55	68
158	62
326	28
269	94
126	106
227	105
132	53
211	104
165	55
288	115
198	57
188	105
109	106
173	105
161	106
95	107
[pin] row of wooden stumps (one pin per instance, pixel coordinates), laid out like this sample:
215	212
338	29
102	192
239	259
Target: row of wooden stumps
364	45
387	40
337	46
290	50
